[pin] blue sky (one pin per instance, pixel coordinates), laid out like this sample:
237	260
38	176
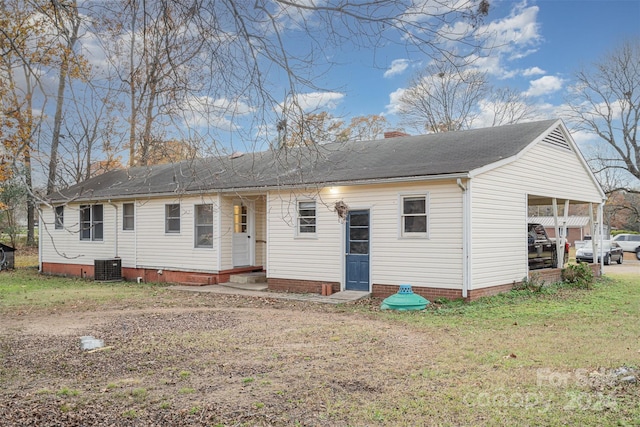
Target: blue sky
540	45
554	39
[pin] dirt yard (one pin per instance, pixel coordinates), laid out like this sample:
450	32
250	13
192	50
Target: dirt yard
183	359
261	362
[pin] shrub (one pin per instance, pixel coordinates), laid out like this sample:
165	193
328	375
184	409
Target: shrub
533	283
578	275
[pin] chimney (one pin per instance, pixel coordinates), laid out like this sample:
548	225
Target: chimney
395	134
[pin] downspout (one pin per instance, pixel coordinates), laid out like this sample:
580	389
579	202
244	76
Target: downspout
40	228
219	233
267	208
466	239
556	229
601	231
116	229
135	233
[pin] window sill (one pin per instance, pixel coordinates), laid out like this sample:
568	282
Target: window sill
421	236
310	236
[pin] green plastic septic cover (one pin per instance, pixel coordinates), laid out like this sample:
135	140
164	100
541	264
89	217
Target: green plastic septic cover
405	299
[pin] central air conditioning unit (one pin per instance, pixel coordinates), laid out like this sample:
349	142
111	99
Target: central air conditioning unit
107	270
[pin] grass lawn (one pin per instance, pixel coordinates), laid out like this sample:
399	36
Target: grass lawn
185	359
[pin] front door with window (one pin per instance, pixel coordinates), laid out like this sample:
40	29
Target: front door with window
242	233
357	258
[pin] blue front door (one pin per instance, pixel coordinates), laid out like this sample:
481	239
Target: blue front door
357	275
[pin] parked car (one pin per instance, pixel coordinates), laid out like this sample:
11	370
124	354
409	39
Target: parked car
628	242
542	249
611	250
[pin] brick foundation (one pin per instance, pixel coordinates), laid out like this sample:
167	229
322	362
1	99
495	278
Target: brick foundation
300	286
383	291
474	294
554	275
148	275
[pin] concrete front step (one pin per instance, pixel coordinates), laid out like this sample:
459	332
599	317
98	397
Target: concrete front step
246	286
245	278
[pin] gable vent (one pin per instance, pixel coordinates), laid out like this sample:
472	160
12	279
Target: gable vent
557	139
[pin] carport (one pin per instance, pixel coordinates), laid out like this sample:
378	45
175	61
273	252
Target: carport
560	213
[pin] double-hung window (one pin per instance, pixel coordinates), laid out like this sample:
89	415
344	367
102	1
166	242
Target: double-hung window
306	218
128	216
414	216
204	226
59	217
91	222
172	218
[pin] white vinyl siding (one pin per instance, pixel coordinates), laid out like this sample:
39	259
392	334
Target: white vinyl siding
146	247
157	250
499	209
226	232
68	248
436	262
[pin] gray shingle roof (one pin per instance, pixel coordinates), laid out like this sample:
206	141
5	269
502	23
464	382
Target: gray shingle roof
403	157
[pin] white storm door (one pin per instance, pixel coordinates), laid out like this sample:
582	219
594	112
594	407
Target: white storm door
243	239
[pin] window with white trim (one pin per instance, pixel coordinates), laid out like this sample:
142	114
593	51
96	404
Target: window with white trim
414	218
128	216
91	222
59	215
172	218
204	226
306	218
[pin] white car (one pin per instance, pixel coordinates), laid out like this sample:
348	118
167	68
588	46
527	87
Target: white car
628	242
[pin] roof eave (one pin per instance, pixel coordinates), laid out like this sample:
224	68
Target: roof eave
373	181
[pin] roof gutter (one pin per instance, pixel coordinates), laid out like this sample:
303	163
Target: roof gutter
418	178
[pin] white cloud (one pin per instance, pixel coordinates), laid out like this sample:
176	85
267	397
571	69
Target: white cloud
394	101
317	101
203	111
397	67
533	71
518	30
508	39
544	85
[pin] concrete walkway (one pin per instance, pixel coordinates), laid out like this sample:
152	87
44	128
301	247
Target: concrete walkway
259	290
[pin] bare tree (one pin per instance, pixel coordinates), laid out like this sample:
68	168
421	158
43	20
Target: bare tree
443	97
215	64
507	106
366	128
24	51
155	48
64	17
323	127
605	100
91	135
